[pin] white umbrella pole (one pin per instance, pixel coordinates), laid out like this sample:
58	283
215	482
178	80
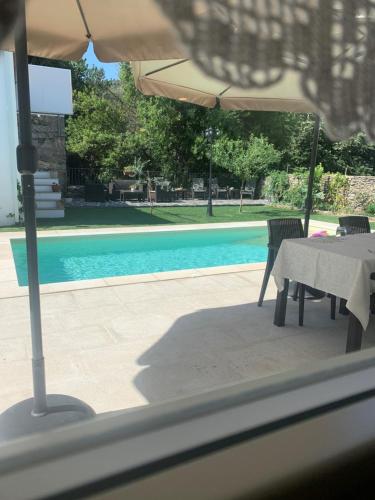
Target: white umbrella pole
27	165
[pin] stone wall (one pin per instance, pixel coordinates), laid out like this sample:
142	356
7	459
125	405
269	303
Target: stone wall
361	191
49	138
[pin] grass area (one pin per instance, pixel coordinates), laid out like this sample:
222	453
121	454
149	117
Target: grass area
78	218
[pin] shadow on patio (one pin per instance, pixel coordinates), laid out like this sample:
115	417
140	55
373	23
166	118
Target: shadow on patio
218	346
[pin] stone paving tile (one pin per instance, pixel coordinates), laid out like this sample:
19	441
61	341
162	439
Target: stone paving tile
122	346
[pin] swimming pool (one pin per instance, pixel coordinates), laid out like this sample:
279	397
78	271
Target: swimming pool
72	258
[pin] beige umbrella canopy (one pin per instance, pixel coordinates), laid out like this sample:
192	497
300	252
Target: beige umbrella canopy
181	79
119	29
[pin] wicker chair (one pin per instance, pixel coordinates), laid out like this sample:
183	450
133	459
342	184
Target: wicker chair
279	230
355	224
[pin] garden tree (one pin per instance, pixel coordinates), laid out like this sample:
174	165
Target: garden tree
248	159
297	155
97	132
276	126
353	156
170	133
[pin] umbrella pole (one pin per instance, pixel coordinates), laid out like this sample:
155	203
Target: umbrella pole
209	202
27	165
310	185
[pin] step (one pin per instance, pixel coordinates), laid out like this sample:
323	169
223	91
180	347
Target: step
46	181
42	174
43	189
45	174
44	196
50	213
47	204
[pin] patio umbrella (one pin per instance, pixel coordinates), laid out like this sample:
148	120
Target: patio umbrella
62	30
182	80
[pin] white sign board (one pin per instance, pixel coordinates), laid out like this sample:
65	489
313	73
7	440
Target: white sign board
50	90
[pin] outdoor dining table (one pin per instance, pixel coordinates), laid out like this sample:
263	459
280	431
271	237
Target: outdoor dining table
339	266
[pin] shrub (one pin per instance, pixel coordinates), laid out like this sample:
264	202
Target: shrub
370	209
336	191
275	186
296	194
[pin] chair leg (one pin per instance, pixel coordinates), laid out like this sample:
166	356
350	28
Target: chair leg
301	308
342	308
266	277
372	303
280	307
296	292
333	306
354	338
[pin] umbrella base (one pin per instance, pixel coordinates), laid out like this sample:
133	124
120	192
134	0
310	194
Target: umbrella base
18	421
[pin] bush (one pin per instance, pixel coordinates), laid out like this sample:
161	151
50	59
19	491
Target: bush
370	209
296	194
336	191
275	186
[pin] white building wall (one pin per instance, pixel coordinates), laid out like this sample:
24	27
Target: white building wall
8	142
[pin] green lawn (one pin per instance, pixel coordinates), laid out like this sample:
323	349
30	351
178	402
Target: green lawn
116	217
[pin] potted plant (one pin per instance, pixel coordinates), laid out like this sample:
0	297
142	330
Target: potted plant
135	170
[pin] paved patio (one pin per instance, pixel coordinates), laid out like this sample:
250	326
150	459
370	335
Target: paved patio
80	202
122	346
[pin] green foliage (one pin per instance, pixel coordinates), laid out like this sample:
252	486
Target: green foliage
97	132
295	192
137	168
275	186
353	156
249	159
335	187
114	123
370	209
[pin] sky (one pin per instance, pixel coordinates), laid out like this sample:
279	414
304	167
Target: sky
110	69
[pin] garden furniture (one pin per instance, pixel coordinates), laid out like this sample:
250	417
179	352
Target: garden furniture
355	224
278	231
162	192
198	188
340	266
248	189
217	190
95	193
128	189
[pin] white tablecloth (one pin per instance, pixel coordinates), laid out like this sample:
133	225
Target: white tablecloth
340	266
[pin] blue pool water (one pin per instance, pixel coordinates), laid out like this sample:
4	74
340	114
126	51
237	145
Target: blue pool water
73	258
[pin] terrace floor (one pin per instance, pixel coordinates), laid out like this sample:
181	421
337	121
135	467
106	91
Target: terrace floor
118	345
123	346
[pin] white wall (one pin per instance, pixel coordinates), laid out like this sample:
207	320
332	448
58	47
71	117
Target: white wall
8	141
50	90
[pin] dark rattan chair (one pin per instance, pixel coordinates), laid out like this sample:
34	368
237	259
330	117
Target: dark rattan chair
355	224
278	230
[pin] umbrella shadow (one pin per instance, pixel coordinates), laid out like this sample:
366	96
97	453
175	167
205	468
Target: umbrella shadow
219	346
